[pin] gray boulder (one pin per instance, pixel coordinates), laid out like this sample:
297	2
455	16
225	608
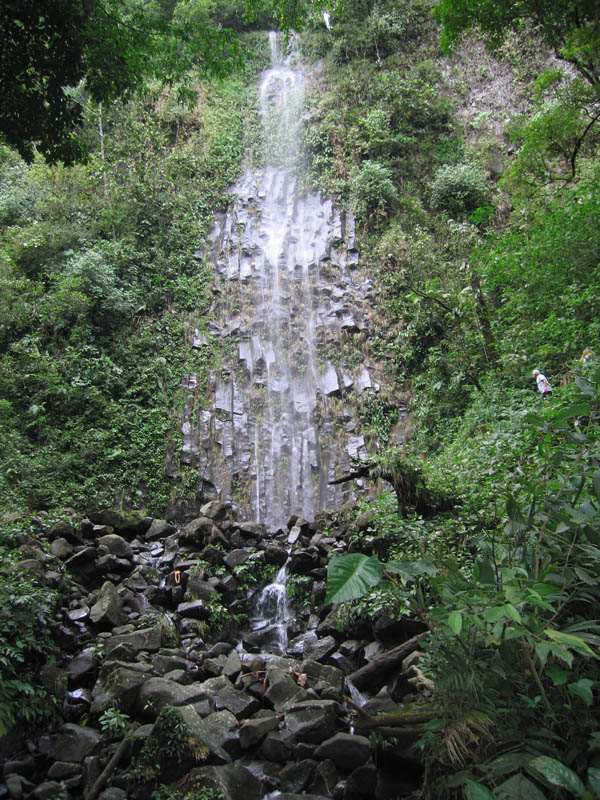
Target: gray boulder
324	778
321	649
159	529
237	557
113	793
253	731
198	589
295	777
278	746
168	661
61	548
252	530
345	750
116	545
325	676
107	611
196	609
119	686
200	531
218	731
237	783
232	666
49	790
66	531
225	695
156	693
70	743
290	796
129	524
312	721
215	511
283	691
142	639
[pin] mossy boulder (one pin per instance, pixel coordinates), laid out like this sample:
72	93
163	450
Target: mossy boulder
127	523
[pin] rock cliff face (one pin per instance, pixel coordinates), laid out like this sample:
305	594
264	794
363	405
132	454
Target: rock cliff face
292	310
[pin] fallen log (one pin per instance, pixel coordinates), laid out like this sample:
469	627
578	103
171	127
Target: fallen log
93	792
375	673
362	472
406	719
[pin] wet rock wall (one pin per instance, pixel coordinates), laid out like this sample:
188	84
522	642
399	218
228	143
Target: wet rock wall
292	313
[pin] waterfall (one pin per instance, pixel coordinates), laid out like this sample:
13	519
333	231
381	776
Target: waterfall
291	311
273	613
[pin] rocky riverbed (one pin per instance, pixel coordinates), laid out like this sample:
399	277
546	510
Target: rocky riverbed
168	676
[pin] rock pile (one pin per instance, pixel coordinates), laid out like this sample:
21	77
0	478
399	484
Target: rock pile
162	682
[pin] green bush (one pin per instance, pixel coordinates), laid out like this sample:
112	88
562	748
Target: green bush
373	190
90	273
17	195
458	189
26	614
513	633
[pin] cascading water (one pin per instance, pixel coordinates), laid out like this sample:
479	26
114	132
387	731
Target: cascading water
273	614
281	421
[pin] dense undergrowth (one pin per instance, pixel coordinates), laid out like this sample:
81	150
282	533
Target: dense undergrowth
482	280
99	282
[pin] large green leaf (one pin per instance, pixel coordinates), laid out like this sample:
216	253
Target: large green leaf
575	643
351	576
484	572
583	689
455	622
594	780
557	774
574	410
409	570
505	764
518	788
477	791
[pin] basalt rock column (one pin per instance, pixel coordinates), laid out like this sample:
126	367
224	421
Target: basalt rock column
290	306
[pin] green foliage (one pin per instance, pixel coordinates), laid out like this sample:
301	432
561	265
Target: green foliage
374	192
553	141
195	787
570	28
380	416
97	268
59	46
458	189
351	576
17	195
114	722
376	36
170	748
545	276
512	648
88	273
299	589
255	572
26	642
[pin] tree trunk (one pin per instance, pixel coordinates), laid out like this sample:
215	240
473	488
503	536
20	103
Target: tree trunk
483	317
376	672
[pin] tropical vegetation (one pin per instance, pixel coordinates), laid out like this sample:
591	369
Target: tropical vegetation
479	221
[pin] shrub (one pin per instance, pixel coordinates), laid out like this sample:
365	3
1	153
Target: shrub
17	195
373	190
458	189
89	273
26	642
